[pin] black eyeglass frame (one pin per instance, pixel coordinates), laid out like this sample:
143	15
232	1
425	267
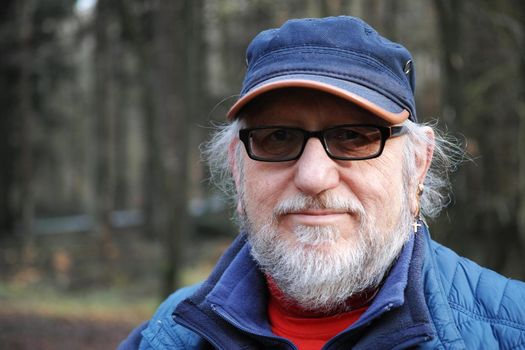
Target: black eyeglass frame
386	132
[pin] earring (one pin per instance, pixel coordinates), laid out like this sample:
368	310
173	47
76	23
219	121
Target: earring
416	224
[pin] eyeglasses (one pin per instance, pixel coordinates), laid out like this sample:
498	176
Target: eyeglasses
342	142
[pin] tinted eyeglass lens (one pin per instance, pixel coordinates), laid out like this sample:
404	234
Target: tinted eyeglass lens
353	141
276	143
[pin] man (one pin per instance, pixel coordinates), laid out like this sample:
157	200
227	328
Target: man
333	175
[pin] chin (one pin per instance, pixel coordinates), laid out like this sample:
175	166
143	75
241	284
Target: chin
316	237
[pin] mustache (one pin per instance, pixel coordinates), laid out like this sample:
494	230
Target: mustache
328	201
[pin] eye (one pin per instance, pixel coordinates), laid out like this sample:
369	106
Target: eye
353	141
352	135
276	142
275	136
279	135
347	135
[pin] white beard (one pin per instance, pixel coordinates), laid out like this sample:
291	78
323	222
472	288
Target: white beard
321	269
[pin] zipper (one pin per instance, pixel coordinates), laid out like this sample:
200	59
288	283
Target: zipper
375	315
360	323
196	329
225	316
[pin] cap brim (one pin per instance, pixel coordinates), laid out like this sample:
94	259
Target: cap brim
355	93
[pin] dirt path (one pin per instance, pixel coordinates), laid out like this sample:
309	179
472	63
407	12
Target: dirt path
21	331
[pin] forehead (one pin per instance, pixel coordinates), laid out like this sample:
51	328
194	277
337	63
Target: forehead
299	106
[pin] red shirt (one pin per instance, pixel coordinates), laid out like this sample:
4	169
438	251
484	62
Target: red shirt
307	330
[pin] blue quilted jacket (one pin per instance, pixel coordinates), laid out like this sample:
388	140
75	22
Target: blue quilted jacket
431	299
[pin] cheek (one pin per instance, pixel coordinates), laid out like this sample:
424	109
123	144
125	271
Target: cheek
262	189
379	187
390	175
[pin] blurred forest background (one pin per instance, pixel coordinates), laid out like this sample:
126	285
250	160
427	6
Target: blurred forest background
104	201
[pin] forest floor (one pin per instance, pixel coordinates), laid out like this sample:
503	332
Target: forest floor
73	291
60	322
20	331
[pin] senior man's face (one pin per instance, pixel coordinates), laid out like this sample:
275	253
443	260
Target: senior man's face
323	229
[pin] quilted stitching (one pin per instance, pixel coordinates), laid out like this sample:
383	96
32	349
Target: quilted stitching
504	335
486	307
520	344
502	296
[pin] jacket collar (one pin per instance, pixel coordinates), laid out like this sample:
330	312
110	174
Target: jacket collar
399	312
235	298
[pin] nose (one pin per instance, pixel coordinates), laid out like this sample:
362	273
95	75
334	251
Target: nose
315	171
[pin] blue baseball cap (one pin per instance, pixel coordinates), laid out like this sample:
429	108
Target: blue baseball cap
341	55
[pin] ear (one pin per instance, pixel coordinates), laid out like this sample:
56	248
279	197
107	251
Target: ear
424	156
234	168
423	159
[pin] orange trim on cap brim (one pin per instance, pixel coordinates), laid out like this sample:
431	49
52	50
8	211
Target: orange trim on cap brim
390	117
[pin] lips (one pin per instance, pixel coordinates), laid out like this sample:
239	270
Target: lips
319	212
316	217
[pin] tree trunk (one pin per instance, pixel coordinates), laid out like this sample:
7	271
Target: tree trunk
449	21
521	133
9	74
120	146
173	90
25	113
372	14
103	130
390	15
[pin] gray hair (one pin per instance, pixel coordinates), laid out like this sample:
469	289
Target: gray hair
216	153
448	153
